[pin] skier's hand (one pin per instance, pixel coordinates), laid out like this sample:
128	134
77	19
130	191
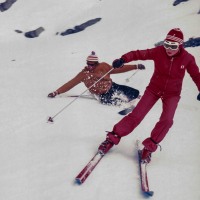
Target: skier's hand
53	94
140	66
118	63
198	97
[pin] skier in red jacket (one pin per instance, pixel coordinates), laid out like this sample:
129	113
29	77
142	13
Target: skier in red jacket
171	61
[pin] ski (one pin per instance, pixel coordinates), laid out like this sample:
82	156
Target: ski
87	170
143	174
126	110
130	108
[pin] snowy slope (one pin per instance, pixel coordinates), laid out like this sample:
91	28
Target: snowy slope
39	160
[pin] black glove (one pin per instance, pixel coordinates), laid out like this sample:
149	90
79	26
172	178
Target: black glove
53	94
118	63
140	66
198	97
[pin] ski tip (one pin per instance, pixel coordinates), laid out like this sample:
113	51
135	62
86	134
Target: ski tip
78	181
149	193
126	110
122	112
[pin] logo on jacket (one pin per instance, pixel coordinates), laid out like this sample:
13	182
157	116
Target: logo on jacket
182	66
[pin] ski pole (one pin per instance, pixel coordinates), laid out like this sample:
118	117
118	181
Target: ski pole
86	96
128	79
50	119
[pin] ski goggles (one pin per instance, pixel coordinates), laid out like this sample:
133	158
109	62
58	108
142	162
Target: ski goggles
92	64
171	45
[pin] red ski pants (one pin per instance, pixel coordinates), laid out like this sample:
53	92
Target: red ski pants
131	121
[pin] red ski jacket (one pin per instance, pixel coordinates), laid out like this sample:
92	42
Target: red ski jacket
169	72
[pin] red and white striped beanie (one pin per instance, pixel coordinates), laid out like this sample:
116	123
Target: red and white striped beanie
175	35
93	57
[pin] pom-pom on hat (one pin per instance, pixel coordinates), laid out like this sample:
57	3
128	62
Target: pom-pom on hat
93	57
175	35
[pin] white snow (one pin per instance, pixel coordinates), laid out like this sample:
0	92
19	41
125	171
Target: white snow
38	160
